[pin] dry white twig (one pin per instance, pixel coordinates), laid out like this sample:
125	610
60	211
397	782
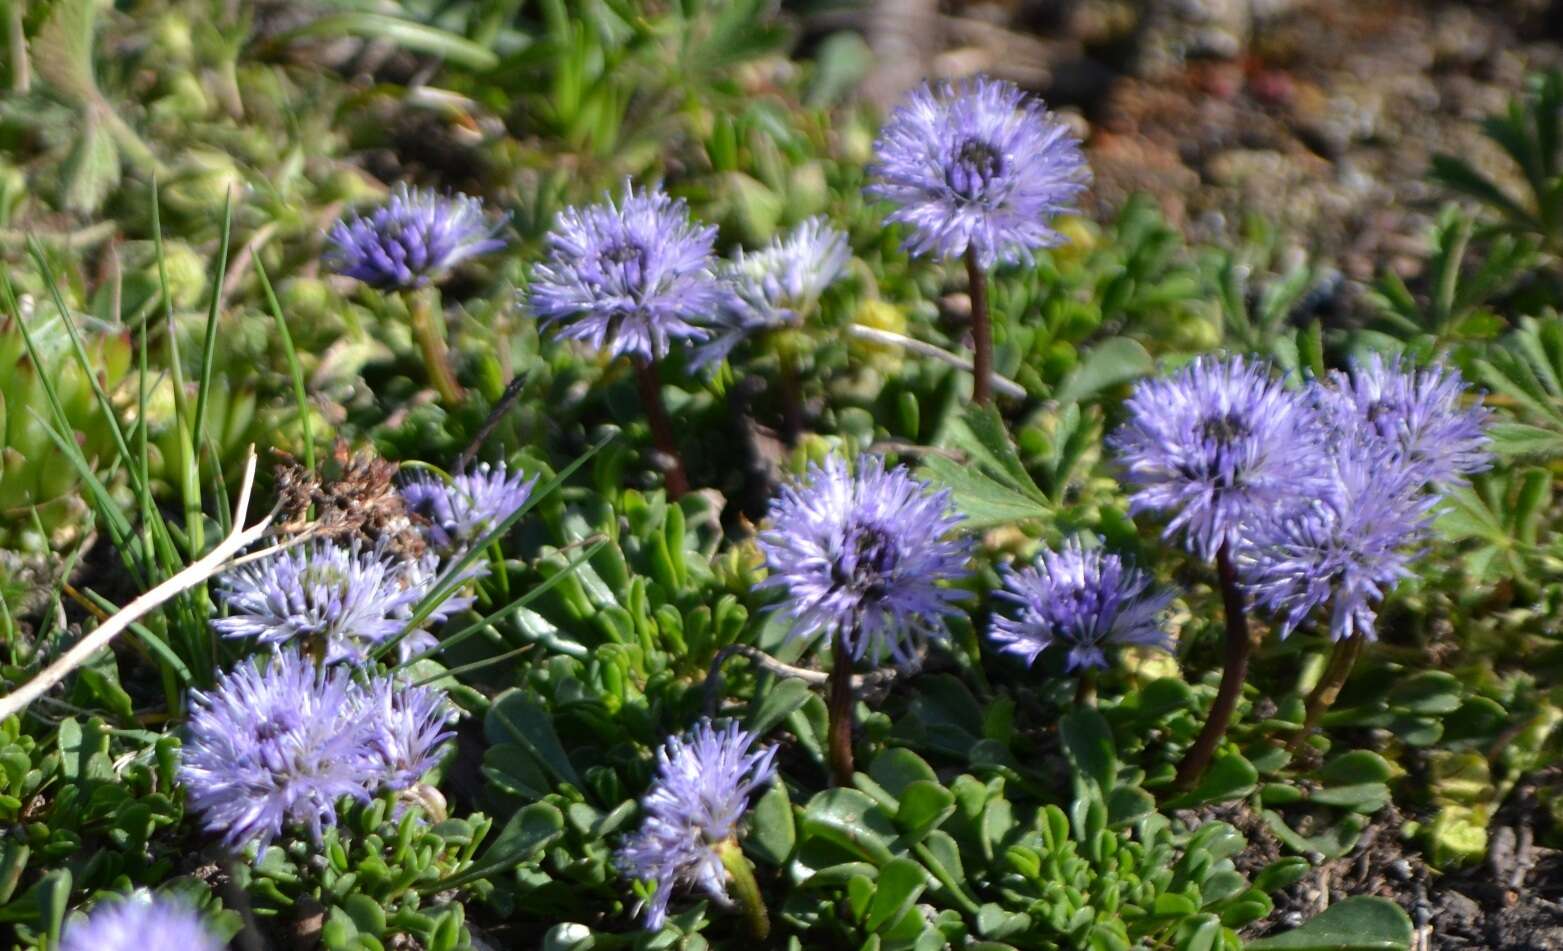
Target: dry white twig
208	565
766	662
1002	384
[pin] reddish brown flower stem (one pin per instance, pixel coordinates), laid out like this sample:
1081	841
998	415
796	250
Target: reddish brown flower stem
1240	642
981	331
840	704
648	380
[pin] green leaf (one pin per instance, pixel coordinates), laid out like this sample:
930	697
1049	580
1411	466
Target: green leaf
518	718
776	704
898	767
405	33
1229	777
1356	766
1428	692
985	502
1331	842
899	884
92	169
924	805
1358	797
991	485
529	831
851	820
772	832
1362	923
62	50
1458	836
1282	873
1088	741
1112	362
514	770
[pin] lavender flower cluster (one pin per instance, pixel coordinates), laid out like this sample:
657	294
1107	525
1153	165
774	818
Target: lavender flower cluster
1314	494
977	166
346	601
282	739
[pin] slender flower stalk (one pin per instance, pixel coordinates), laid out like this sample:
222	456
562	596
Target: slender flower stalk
865	559
1085	688
740	876
631	277
428	328
840	701
977	170
1343	657
1241	639
981	332
648	381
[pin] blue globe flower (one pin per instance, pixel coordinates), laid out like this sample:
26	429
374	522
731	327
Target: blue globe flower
979	165
411	240
1082	600
1219	446
630	277
865	557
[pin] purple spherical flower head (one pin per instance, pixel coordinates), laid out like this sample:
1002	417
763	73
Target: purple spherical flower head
1219	445
342	596
273	746
461	511
140	922
1419	414
775	287
412	239
863	557
408	728
627	277
1082	599
701	791
977	164
1352	545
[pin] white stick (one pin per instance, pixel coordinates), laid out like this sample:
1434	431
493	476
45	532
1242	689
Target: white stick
1001	383
197	571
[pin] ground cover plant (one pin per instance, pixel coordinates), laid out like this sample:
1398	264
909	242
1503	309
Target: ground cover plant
493	474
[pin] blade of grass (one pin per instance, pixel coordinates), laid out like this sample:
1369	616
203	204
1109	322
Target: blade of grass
154	644
119	529
295	370
79	348
405	33
193	526
506	611
196	573
475	665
